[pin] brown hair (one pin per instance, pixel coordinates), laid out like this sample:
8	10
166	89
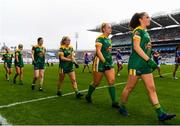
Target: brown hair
177	47
20	46
39	39
134	22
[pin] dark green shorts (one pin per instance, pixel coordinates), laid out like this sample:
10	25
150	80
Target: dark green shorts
66	67
9	65
98	66
38	66
19	65
138	67
139	70
62	70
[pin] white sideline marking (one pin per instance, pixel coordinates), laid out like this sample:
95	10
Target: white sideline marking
67	94
4	122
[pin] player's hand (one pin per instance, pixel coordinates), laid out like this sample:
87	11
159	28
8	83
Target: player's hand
76	65
33	62
152	64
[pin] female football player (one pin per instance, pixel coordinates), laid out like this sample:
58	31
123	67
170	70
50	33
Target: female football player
141	65
103	65
38	60
7	57
177	61
66	66
19	64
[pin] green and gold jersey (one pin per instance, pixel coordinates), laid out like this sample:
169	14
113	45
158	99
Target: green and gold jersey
7	57
106	47
20	57
145	42
67	52
39	53
136	61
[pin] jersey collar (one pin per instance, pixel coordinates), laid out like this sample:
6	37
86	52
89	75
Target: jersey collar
138	27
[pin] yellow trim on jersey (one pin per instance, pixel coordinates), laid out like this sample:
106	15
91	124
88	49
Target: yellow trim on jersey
16	52
136	37
8	53
96	64
102	36
98	44
38	46
60	53
132	72
139	27
64	47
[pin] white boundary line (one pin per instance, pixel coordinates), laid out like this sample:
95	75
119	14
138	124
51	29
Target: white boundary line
55	96
4	122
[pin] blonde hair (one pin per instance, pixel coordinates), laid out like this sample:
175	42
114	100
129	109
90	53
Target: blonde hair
64	38
103	25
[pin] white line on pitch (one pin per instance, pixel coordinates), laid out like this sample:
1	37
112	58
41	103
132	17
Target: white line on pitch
55	96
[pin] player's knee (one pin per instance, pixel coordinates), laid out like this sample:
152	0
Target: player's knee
41	76
151	89
111	81
129	88
73	81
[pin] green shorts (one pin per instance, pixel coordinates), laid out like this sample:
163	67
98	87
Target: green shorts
66	67
19	65
65	70
98	66
142	68
38	66
9	65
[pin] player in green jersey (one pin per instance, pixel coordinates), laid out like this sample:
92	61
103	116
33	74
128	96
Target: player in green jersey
103	64
66	66
19	64
38	60
141	65
7	58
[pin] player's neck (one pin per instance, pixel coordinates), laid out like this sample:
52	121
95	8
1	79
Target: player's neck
106	35
143	26
66	45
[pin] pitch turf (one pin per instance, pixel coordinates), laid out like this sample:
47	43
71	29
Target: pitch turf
69	110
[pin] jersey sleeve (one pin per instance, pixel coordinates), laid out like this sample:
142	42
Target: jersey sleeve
3	57
61	52
99	41
16	53
33	48
137	35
